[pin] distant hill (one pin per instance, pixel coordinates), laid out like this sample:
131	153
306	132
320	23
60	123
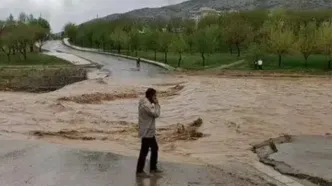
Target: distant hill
187	8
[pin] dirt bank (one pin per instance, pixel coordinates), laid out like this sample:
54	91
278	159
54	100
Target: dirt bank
236	113
39	78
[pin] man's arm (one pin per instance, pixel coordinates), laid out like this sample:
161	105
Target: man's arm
153	111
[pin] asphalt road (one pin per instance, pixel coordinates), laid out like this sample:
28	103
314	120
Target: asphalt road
307	157
39	164
119	67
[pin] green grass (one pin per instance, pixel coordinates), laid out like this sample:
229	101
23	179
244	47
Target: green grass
189	61
33	58
294	63
39	72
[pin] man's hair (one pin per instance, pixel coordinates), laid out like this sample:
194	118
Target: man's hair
150	93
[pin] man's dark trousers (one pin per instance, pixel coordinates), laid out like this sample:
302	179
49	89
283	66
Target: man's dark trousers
146	144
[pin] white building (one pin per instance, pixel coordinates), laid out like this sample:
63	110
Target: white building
203	12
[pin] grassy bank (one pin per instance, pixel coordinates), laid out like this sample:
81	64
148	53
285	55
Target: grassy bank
316	64
38	72
35	78
290	63
32	59
189	61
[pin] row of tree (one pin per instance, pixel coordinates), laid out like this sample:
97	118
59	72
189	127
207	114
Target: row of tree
22	34
258	32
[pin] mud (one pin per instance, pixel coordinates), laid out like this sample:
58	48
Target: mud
98	98
122	130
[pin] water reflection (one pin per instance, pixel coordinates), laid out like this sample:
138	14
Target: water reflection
151	181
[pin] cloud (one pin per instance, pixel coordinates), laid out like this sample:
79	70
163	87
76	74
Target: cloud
60	12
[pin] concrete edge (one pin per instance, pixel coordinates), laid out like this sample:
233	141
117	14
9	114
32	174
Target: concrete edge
268	170
156	63
268	147
284	180
91	65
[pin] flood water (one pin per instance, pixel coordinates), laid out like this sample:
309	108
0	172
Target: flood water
236	112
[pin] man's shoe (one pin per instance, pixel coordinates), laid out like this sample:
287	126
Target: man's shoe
156	171
142	175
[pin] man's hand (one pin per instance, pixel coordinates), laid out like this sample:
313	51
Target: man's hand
155	101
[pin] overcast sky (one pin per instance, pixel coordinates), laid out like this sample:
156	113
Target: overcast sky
60	12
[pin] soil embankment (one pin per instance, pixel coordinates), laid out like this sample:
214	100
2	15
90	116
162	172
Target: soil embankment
39	78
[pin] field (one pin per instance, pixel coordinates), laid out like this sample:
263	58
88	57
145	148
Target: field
38	73
32	59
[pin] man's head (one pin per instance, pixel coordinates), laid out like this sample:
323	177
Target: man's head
151	94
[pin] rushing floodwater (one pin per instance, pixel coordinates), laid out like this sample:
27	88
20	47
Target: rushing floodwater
236	113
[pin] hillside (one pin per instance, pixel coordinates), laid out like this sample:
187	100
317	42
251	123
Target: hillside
187	8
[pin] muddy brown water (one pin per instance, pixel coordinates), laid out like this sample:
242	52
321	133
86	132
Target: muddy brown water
236	113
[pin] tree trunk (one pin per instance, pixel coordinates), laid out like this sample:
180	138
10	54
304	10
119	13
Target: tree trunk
279	60
165	57
238	50
306	61
40	48
136	53
31	48
14	52
329	64
25	53
104	46
203	58
7	53
230	49
180	59
119	50
155	55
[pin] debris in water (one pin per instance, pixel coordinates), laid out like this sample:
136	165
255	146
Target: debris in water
273	146
173	91
69	134
101	81
182	132
98	97
58	107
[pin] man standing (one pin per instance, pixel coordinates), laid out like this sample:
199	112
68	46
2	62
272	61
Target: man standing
260	64
148	111
138	63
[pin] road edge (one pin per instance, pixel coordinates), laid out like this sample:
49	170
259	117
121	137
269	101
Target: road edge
65	41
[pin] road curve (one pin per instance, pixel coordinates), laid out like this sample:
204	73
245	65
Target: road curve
119	67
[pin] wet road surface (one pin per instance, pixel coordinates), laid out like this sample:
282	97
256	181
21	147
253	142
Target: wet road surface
39	164
306	155
119	67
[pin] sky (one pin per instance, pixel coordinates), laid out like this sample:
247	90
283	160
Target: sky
60	12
